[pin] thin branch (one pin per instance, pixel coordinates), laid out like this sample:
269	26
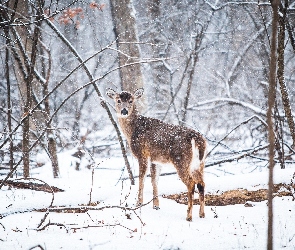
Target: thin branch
231	101
52	224
242	123
13	22
39	246
92	208
232	3
237	157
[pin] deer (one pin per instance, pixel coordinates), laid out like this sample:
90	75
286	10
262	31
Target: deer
154	142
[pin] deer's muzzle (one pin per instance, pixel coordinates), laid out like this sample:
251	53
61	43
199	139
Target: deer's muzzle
124	111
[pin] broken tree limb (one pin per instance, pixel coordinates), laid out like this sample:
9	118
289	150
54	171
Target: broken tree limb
33	186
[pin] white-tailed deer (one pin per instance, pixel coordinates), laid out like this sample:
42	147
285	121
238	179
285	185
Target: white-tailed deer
155	142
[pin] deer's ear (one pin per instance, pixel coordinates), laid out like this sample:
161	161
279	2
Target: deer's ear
111	93
138	93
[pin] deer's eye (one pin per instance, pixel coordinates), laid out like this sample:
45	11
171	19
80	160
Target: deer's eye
119	101
130	101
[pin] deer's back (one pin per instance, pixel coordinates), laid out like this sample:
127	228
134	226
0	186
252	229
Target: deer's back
164	142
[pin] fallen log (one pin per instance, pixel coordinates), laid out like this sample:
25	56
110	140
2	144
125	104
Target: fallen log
33	186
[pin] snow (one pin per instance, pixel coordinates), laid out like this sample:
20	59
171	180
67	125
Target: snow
235	227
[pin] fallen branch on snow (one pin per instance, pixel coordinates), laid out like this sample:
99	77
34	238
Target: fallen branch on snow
33	186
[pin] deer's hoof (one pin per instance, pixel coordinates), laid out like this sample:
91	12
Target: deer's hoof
202	215
189	218
156	207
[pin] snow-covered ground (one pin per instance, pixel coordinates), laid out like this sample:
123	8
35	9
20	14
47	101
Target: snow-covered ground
236	227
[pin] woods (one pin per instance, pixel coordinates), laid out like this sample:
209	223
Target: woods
218	67
194	67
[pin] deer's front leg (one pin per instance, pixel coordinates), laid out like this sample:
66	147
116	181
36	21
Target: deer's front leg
155	171
143	164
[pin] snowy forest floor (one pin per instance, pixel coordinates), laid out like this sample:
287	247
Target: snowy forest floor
97	210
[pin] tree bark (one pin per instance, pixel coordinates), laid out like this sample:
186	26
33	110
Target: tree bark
20	10
9	111
271	135
281	70
160	76
194	59
29	80
125	32
51	138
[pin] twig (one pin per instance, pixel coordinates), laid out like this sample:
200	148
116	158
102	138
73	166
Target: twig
37	246
142	223
43	219
52	224
105	225
90	195
17	212
126	196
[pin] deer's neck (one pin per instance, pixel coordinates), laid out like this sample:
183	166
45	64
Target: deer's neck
127	124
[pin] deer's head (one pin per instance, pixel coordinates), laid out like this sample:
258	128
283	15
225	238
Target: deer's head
124	101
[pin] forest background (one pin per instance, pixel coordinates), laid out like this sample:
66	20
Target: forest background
203	64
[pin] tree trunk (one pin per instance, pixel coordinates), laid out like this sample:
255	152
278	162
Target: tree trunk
20	10
51	138
159	75
25	51
271	135
29	80
280	73
194	59
125	32
9	111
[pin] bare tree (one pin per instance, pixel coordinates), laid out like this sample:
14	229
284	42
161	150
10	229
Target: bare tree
128	49
271	134
281	70
159	74
9	108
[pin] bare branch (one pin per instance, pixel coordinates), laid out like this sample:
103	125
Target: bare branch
242	123
215	8
231	101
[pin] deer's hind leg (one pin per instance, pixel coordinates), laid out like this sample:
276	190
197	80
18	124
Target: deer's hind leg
155	171
198	178
190	195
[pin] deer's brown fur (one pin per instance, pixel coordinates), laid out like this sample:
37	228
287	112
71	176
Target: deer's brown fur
155	142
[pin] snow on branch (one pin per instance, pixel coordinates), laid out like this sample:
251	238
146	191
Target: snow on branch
230	101
215	7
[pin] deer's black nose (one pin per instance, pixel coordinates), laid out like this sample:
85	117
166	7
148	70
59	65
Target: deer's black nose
124	111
